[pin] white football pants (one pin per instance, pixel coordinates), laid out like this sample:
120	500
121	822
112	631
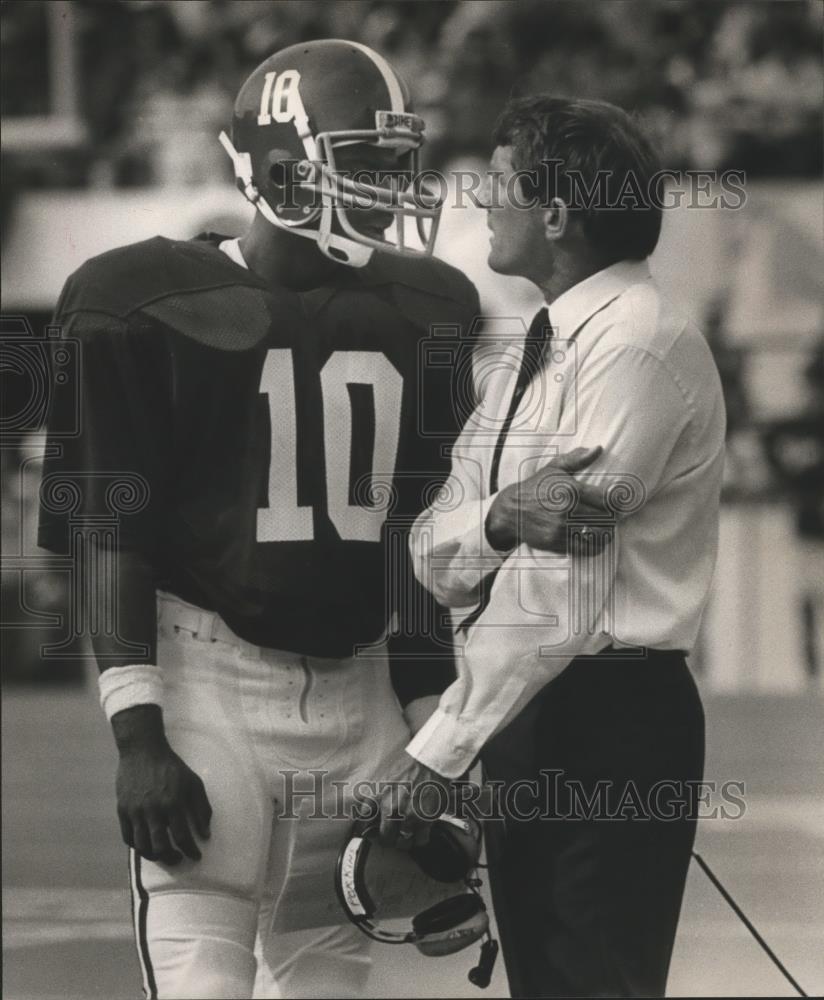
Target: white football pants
269	732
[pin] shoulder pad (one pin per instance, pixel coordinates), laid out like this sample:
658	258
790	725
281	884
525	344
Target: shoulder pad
121	281
191	287
428	275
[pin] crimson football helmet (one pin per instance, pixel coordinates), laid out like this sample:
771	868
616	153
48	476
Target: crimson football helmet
291	117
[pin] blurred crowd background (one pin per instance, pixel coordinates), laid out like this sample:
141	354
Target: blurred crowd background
725	84
110	112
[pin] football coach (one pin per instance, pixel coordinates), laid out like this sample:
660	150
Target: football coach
573	684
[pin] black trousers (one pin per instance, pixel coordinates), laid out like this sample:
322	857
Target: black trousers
587	893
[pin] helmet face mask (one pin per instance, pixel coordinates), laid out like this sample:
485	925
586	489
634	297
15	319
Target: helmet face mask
306	148
344	196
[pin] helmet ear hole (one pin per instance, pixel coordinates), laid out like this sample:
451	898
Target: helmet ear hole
285	191
282	170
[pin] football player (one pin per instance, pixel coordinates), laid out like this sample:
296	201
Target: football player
260	398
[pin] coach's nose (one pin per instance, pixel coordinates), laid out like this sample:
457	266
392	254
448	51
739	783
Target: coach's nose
485	192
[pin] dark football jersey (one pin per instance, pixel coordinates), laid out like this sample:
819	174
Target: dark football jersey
283	441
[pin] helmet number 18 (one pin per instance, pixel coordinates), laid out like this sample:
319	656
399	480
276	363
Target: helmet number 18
280	98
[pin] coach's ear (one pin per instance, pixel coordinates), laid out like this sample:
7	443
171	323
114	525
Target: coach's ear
556	219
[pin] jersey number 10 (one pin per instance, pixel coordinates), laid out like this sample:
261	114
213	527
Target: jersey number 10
283	520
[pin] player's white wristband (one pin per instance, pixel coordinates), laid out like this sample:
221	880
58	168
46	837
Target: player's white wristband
125	687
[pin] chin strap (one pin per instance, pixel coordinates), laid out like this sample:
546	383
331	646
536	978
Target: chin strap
337	248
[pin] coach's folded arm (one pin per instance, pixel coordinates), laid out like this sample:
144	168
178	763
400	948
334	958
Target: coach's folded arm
519	514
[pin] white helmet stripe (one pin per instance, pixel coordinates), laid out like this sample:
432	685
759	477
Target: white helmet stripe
388	74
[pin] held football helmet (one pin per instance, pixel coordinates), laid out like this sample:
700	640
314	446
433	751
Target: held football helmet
295	113
448	926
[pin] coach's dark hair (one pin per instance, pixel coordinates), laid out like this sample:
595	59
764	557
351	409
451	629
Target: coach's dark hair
572	147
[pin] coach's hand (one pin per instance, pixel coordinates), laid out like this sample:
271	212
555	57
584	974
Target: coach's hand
160	800
410	804
522	512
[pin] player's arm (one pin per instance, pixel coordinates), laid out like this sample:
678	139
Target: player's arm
421	659
422	665
117	437
160	800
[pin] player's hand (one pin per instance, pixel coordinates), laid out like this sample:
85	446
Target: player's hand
520	512
161	802
409	805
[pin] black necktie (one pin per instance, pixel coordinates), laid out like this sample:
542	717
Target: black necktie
531	364
538	334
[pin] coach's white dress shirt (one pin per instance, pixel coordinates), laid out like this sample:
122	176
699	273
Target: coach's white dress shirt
623	370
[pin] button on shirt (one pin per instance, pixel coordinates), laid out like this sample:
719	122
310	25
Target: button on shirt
628	372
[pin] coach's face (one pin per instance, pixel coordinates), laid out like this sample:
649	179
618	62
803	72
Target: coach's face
518	243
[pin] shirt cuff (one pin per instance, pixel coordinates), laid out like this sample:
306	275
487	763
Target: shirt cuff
445	745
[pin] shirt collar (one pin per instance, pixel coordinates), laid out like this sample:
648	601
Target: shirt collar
232	250
574	307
